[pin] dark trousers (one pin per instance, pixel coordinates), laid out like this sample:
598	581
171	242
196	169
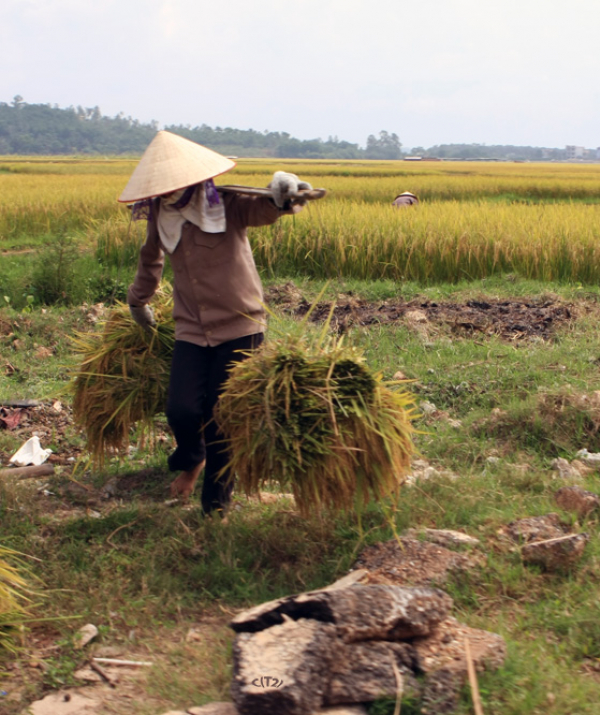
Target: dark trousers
196	381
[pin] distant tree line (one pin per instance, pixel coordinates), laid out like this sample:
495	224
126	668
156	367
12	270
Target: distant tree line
491	151
46	129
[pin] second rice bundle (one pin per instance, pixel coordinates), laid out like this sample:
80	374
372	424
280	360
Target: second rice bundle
13	590
318	421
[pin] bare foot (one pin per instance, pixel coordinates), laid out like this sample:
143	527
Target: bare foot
183	485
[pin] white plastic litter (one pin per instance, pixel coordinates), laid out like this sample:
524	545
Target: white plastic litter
30	453
590	458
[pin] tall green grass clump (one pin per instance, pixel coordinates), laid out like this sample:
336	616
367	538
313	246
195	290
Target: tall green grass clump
118	240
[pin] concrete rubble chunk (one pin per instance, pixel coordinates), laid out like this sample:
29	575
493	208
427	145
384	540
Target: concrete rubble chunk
420	469
440	693
85	635
566	470
352	643
443	537
411	562
535	528
313	604
416	316
558	553
577	500
283	669
65	702
87	675
310	604
445	648
590	459
350	579
375	611
381	612
362	672
220	708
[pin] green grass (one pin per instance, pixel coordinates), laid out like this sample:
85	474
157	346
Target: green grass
149	568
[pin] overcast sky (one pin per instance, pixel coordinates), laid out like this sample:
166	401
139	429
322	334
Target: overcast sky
522	72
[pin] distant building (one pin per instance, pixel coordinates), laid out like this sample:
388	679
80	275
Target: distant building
575	152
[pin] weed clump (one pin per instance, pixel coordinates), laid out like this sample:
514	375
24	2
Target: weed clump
312	417
553	423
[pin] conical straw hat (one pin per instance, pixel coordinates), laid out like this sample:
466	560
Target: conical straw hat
169	163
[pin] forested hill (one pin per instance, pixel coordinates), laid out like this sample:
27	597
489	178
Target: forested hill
44	129
27	129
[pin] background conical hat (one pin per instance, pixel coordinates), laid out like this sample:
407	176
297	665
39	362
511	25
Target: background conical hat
169	163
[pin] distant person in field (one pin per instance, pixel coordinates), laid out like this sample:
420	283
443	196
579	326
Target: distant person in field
405	199
217	293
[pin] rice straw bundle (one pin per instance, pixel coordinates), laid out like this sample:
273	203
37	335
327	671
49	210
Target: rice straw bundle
123	376
12	598
315	419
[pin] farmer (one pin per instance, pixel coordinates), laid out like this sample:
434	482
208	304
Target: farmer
217	292
405	199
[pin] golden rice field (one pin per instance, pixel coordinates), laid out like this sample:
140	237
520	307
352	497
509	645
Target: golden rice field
476	219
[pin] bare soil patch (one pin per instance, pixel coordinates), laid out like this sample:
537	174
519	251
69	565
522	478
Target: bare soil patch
183	654
507	319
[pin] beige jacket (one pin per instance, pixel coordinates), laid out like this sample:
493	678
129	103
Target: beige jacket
217	293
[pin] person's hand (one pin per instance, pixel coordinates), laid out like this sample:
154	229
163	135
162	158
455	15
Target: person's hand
285	186
143	316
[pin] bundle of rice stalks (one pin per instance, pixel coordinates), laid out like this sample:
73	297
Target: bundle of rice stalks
122	379
12	599
314	418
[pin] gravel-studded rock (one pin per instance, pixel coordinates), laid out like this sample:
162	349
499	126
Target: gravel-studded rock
443	537
362	672
381	612
440	693
566	470
410	562
313	604
578	500
375	611
535	528
445	648
555	554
